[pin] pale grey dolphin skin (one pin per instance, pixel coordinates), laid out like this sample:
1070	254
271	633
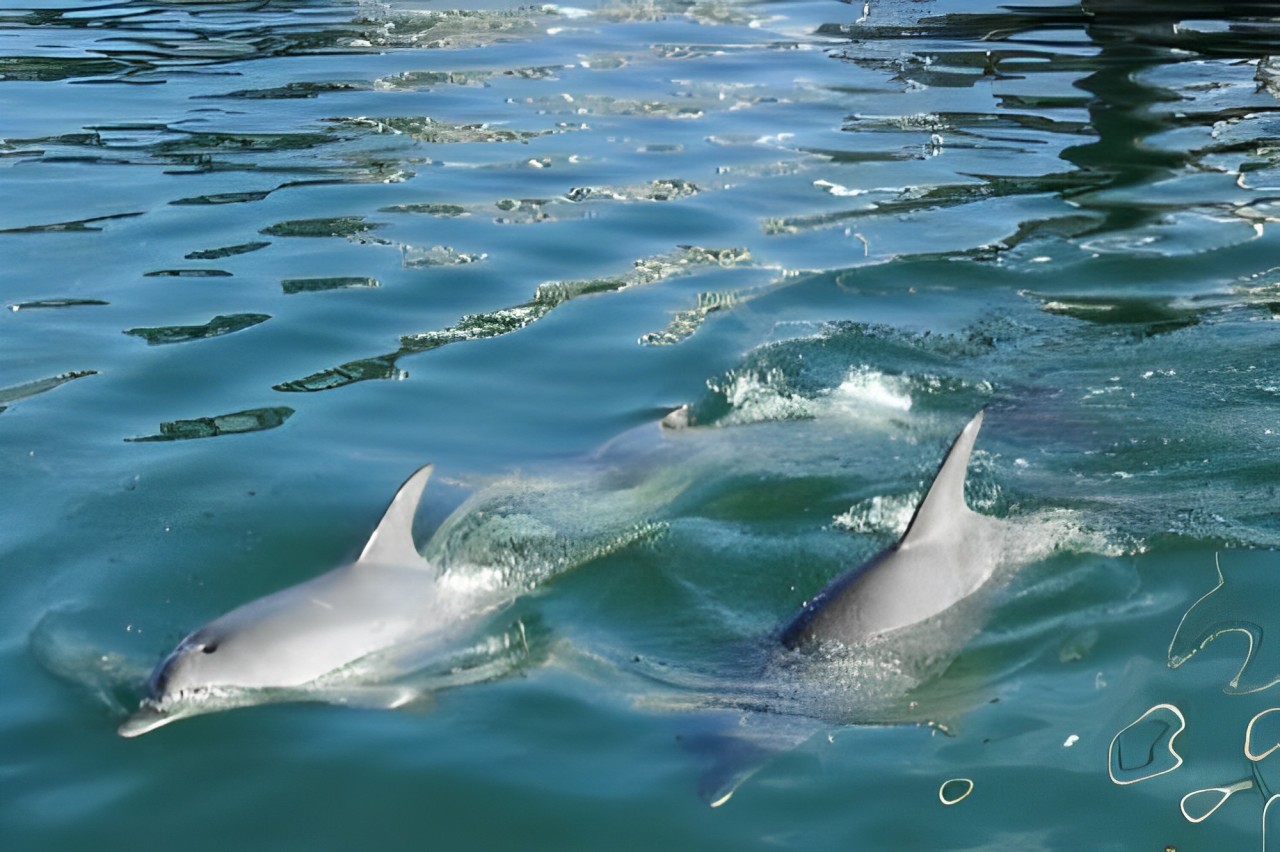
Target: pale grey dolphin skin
945	555
299	634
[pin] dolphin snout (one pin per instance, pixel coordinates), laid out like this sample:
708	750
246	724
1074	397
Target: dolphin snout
147	717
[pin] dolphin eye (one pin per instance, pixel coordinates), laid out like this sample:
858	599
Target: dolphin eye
210	648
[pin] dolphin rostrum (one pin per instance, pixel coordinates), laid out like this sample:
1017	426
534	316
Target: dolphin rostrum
295	636
945	555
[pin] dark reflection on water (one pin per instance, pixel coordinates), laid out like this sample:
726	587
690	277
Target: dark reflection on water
236	423
157	37
216	327
1108	50
17	392
546	298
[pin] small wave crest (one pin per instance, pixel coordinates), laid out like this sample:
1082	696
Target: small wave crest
520	532
881	515
771	394
93	652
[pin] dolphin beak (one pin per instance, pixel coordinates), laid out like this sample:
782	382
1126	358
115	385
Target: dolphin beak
147	717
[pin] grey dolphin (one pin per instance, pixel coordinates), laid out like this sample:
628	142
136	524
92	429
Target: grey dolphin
350	636
295	636
947	553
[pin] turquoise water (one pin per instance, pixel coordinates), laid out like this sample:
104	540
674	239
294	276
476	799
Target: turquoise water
262	260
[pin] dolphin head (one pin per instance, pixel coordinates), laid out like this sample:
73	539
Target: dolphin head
191	666
205	672
174	691
295	636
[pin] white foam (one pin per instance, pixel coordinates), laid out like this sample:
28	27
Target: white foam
757	397
472	580
881	514
866	387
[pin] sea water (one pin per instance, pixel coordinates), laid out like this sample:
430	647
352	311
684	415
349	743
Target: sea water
259	261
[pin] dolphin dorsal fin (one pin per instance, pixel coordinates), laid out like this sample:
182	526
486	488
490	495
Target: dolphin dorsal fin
945	500
392	542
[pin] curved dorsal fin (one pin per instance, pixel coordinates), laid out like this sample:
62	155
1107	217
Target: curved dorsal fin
945	500
392	542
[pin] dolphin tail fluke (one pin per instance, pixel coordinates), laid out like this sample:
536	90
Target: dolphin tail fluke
945	500
392	542
736	748
733	760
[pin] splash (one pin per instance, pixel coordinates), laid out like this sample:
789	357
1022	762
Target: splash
755	396
515	534
866	387
787	390
881	515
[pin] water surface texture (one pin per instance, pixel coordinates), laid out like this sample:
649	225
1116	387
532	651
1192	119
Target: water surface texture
261	260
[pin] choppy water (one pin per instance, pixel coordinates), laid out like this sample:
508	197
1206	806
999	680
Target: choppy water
263	259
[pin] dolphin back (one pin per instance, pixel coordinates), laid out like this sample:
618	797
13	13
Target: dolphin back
940	559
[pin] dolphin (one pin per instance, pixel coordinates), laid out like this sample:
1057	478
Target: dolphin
946	554
348	636
294	637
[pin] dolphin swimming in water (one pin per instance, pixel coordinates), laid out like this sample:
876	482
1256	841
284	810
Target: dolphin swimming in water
351	635
387	596
945	555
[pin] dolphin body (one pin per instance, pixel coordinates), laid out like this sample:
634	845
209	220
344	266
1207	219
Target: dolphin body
296	636
947	553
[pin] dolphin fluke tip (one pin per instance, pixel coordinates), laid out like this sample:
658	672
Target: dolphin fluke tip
720	801
146	718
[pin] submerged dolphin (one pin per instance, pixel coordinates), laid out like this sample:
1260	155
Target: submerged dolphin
295	636
945	555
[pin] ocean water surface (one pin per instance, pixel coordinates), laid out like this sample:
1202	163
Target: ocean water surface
261	260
